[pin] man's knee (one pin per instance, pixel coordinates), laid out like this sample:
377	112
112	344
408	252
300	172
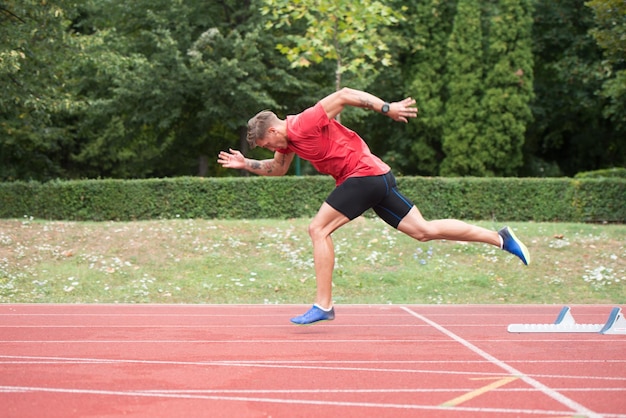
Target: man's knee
422	236
417	228
326	222
316	230
418	233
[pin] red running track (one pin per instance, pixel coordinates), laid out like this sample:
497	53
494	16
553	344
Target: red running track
249	361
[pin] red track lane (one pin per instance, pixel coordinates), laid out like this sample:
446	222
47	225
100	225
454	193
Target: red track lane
249	361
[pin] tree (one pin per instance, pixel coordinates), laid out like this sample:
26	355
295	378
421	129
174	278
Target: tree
36	99
610	34
351	34
489	69
464	153
419	149
166	89
504	109
156	87
571	132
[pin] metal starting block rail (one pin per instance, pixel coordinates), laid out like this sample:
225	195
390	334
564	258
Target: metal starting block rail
565	322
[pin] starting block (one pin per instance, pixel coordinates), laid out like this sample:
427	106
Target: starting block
565	322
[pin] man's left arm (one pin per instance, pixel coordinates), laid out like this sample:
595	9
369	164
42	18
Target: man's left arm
400	111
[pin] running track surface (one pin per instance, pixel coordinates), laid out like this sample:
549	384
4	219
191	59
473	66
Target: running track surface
249	361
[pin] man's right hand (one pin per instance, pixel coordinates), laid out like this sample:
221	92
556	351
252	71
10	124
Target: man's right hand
231	159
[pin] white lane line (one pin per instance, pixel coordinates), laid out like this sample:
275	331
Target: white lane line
298	365
209	326
599	341
392	390
20	389
564	400
229	341
228	363
301	362
14	389
183	315
206	326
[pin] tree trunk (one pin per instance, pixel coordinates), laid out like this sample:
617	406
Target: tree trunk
203	166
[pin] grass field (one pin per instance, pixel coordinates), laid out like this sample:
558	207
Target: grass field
270	261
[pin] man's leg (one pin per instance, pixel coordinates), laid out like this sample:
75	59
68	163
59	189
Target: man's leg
414	225
322	226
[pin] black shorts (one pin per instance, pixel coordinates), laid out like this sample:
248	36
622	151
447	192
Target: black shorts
357	194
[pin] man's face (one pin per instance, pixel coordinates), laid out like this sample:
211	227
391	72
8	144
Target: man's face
273	140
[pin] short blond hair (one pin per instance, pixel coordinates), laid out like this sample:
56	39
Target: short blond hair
258	126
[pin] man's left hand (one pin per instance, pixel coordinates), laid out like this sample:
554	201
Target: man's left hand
402	110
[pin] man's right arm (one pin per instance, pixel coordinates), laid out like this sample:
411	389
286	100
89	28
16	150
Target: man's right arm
276	166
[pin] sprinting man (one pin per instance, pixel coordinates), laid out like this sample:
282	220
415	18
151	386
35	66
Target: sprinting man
362	179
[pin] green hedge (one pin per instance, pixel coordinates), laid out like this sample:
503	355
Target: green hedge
619	172
503	199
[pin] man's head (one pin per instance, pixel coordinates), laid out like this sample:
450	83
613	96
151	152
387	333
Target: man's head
266	130
258	126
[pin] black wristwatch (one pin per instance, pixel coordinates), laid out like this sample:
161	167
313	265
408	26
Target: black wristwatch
385	108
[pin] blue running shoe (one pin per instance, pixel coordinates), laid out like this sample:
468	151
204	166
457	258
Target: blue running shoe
313	315
513	245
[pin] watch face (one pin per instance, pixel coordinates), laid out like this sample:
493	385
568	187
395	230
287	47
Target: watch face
385	108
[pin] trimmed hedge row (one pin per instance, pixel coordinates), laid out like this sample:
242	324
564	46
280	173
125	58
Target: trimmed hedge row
502	199
185	197
519	199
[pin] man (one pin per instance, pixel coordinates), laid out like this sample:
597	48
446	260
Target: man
363	181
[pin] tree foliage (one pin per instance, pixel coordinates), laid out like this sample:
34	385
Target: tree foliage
419	150
508	87
489	65
570	132
162	94
348	33
36	99
610	34
465	72
155	88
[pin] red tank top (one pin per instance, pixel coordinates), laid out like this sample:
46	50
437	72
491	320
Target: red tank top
331	147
